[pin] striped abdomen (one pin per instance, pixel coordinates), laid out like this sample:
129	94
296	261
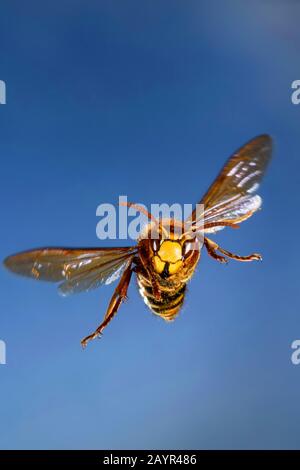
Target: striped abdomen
170	302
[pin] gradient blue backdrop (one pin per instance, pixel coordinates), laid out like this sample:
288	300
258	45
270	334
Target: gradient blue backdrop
148	99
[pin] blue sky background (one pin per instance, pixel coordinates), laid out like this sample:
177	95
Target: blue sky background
148	99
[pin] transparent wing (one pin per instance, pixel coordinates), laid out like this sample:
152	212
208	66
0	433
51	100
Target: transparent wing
231	198
233	212
79	269
93	278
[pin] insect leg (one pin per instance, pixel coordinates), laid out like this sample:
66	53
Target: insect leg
211	250
252	257
155	286
119	295
213	247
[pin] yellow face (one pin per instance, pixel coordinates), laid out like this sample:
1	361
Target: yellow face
169	256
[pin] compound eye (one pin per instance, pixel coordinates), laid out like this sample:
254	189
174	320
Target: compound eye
155	245
187	248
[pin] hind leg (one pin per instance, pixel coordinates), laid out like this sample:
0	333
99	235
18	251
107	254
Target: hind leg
118	297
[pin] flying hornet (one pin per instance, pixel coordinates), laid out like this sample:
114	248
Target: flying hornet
167	252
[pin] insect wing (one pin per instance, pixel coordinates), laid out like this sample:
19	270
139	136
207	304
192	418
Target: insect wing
79	269
231	197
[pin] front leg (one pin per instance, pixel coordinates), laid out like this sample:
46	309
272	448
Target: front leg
213	247
118	297
211	250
